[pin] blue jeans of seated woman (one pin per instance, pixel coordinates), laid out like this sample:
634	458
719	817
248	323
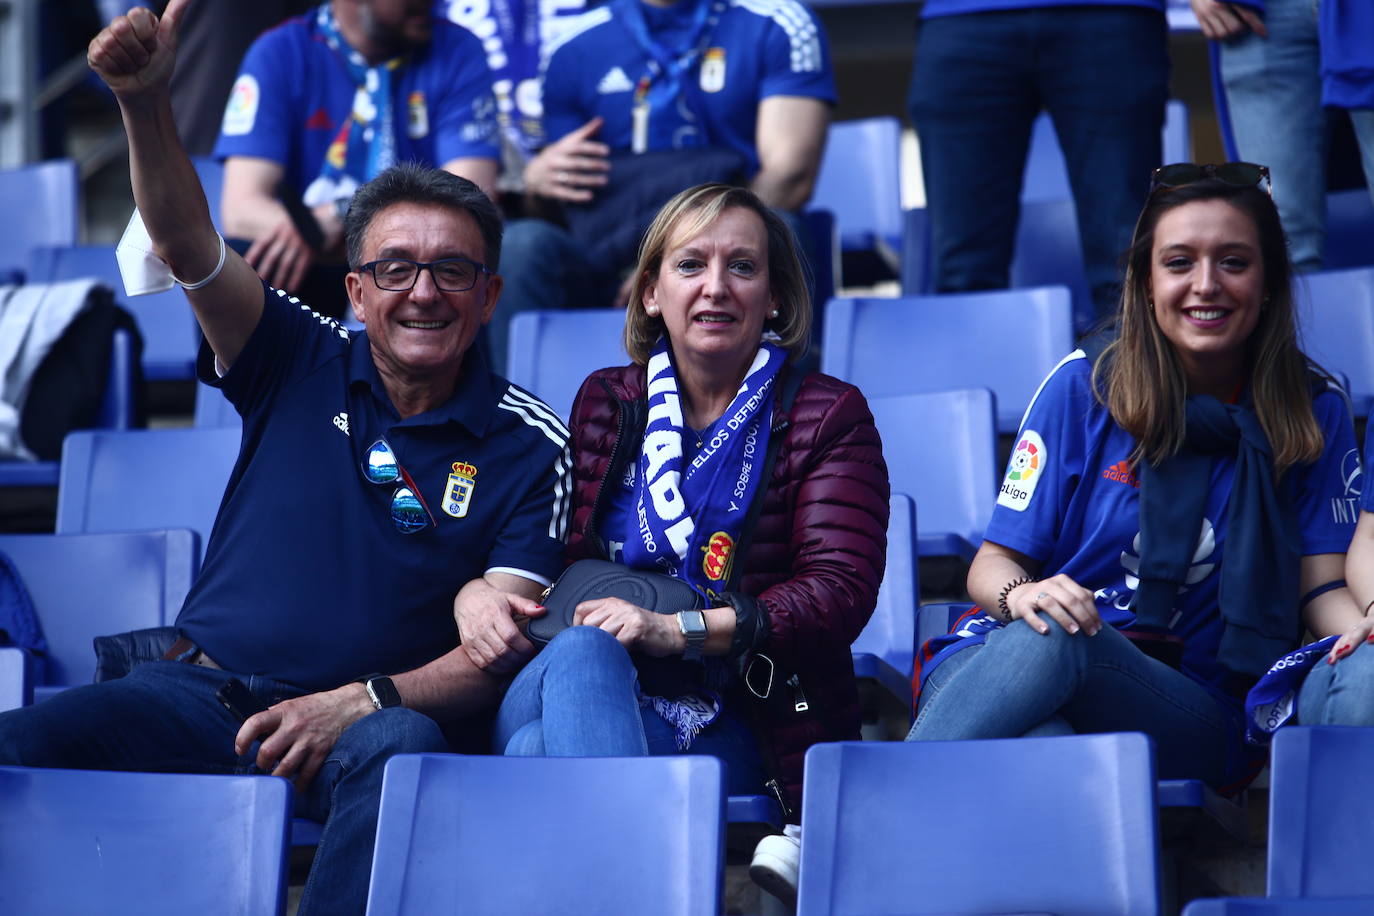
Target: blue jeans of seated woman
1339	694
1020	682
579	697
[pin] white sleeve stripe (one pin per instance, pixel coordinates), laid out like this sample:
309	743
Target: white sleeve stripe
520	395
522	573
554	435
562	496
584	23
797	23
1076	354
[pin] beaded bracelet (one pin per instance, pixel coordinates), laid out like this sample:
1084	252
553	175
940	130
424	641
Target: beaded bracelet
1007	590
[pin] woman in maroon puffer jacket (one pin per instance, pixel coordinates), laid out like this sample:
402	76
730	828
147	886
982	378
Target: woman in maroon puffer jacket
670	456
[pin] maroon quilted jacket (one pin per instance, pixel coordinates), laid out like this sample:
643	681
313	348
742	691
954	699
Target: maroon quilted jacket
813	563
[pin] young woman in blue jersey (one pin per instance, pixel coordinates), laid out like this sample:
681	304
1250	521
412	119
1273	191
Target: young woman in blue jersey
1169	506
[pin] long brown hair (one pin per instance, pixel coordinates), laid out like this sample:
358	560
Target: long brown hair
1144	380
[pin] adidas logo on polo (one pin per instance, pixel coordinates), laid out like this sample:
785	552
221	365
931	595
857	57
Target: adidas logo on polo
614	81
1121	472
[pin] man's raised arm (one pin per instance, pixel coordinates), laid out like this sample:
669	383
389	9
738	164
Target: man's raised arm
135	55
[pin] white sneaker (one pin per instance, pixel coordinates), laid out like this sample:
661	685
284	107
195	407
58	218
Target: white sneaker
775	865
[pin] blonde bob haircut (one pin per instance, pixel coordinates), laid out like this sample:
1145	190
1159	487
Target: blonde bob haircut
1145	387
685	217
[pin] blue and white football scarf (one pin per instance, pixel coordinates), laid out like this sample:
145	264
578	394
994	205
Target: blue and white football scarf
1270	702
660	117
690	516
366	143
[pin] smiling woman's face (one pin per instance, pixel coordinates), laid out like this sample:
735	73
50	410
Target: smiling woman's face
712	291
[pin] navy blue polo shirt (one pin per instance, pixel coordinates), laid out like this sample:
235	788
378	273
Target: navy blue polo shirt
306	578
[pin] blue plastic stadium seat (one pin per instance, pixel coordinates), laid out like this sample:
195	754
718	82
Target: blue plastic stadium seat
860	181
1084	799
116	412
1336	318
884	650
1005	340
86	841
1321	824
39	202
214	409
211	173
140	480
1349	229
16	681
942	451
551	353
88	585
521	835
170	333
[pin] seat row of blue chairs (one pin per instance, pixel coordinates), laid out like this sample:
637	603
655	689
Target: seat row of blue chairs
1067	825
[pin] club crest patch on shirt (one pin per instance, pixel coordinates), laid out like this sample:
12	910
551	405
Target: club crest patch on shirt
458	493
1024	470
713	70
242	108
417	116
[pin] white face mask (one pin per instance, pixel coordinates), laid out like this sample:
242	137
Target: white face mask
142	271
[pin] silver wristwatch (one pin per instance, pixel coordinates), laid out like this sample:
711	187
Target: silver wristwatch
693	627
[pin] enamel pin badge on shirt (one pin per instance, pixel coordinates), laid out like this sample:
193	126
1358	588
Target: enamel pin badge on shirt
458	493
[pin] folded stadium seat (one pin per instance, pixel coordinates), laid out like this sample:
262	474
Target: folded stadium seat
211	173
171	336
16	680
521	835
1005	340
139	480
860	181
117	412
40	203
1336	322
1038	802
942	451
1280	906
1321	824
883	652
88	585
1349	229
87	841
550	353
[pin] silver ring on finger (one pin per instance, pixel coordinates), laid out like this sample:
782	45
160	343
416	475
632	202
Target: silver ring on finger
561	177
1041	596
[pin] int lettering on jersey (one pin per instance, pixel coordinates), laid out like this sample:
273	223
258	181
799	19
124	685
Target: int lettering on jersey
1345	509
1024	470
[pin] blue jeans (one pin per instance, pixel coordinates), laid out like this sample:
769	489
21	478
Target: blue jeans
1274	94
1339	694
979	81
579	697
1020	683
163	717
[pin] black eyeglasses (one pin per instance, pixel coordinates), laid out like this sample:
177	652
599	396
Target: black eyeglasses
408	510
1239	174
452	275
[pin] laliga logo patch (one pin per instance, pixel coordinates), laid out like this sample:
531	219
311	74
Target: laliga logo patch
417	122
720	550
242	109
713	70
458	493
1024	471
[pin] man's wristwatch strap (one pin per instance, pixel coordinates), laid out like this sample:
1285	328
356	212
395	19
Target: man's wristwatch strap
693	627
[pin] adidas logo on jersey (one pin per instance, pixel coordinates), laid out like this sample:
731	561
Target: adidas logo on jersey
614	81
1121	471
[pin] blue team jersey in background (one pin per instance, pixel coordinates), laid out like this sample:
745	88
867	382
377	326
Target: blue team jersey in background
293	94
757	49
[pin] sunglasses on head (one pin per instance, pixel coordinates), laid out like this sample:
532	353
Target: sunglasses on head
1238	174
408	510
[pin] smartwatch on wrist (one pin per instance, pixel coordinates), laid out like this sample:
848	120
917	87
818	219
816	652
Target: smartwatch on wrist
693	627
381	691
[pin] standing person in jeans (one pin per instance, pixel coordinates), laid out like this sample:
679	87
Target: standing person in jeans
984	69
386	480
1165	529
